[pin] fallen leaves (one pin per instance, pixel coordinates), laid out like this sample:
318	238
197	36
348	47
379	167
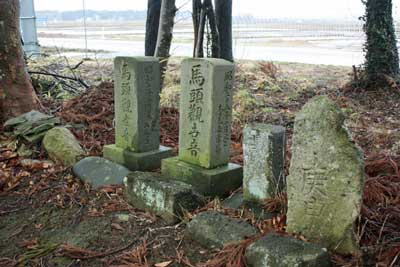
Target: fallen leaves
29	244
163	264
232	255
116	226
7	155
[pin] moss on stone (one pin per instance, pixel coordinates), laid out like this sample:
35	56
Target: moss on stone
62	146
326	178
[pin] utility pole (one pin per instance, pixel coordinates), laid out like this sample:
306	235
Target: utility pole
28	28
84	26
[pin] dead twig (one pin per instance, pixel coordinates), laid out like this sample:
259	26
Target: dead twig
83	254
11	211
79	80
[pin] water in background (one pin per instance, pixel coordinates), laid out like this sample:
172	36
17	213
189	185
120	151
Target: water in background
303	41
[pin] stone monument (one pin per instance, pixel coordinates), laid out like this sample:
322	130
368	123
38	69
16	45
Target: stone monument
205	128
137	114
326	178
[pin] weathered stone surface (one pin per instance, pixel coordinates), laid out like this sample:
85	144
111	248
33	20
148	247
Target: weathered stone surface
205	112
234	201
215	230
204	128
279	251
62	146
137	114
144	161
237	202
210	182
264	160
165	198
136	98
326	178
99	171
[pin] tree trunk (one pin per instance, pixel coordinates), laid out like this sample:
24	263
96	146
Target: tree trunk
223	13
215	45
203	13
196	13
152	22
200	34
16	92
165	29
382	58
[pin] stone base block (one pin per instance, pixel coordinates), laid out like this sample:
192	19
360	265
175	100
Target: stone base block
283	251
209	182
145	161
168	199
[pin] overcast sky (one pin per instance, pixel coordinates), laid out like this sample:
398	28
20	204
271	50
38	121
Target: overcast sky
263	8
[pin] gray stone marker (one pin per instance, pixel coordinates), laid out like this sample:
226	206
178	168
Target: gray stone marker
326	178
137	114
215	230
99	171
205	128
168	199
274	250
264	160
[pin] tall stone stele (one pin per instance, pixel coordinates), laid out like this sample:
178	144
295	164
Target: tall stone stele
264	161
205	128
137	114
326	178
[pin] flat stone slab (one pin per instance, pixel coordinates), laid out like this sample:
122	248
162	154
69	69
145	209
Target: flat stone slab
215	230
210	182
165	198
32	117
145	161
32	126
326	178
99	171
274	250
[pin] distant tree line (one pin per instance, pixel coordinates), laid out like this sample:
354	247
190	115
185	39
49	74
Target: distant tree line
134	15
76	15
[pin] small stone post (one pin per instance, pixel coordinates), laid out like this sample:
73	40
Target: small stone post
264	160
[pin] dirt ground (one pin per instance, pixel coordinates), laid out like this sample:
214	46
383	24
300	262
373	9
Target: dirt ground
49	218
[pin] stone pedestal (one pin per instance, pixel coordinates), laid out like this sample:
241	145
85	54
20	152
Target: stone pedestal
209	182
144	161
137	114
205	128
